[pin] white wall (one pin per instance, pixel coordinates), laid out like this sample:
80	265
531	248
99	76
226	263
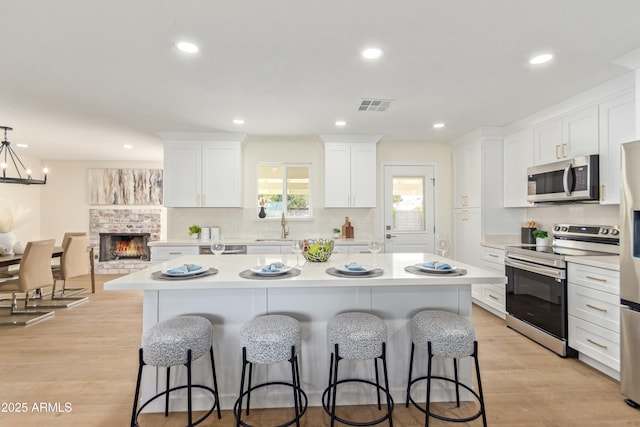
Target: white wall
29	196
244	222
65	197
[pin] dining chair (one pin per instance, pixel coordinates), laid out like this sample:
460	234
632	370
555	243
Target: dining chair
34	273
73	263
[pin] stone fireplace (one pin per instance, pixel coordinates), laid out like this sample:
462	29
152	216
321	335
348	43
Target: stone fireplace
120	237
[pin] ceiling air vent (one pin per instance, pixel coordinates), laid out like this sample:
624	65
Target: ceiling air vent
375	104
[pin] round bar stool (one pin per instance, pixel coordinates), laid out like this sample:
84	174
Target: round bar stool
356	336
444	334
177	341
265	340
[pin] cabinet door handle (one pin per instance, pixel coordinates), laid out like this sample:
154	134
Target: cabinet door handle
601	192
603	310
597	344
204	200
564	150
557	148
597	279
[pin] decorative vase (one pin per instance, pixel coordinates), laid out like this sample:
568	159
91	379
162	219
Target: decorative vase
7	241
262	213
18	248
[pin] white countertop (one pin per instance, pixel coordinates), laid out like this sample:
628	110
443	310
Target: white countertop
246	241
313	274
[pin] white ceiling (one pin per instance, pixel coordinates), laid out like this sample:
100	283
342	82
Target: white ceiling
78	79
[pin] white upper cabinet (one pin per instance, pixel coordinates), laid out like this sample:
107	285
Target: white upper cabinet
203	173
617	126
518	156
467	160
350	171
572	135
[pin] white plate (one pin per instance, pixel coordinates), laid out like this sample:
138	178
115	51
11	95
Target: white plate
434	270
200	270
344	270
258	270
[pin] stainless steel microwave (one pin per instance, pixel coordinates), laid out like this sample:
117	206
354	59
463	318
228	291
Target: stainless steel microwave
576	179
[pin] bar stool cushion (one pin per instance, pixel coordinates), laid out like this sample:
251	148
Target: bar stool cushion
359	335
166	343
450	335
269	338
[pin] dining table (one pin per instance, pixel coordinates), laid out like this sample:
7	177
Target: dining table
393	286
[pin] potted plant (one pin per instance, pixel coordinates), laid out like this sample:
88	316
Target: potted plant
541	237
336	233
194	231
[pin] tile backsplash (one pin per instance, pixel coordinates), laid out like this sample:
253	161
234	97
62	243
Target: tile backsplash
577	213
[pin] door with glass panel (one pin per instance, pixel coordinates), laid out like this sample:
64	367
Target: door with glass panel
409	208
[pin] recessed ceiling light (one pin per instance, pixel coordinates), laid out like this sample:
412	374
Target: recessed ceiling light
238	121
438	125
541	59
372	53
128	146
21	145
341	123
187	47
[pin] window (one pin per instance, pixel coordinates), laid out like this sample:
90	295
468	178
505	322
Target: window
284	187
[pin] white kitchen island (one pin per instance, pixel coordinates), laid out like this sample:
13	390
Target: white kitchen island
313	297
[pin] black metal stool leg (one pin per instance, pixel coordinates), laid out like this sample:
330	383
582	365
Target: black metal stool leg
480	394
375	365
249	388
166	397
330	394
455	376
137	393
215	381
413	346
296	396
244	369
427	410
189	405
335	385
386	382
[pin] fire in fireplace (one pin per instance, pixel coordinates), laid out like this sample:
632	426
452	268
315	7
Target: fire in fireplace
120	246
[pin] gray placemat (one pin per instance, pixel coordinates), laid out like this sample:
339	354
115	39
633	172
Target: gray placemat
451	273
373	273
159	275
248	274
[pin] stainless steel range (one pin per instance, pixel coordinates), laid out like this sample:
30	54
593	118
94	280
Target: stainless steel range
537	281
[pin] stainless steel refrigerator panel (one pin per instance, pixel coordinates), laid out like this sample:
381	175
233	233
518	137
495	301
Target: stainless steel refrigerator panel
630	226
630	354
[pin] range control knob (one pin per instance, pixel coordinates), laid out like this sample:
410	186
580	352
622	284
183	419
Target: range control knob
565	228
556	228
615	232
604	231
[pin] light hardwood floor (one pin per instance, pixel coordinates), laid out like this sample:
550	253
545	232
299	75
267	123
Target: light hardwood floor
86	358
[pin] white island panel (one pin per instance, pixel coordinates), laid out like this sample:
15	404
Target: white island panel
313	298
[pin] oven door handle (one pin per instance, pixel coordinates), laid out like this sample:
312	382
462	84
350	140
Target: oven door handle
549	272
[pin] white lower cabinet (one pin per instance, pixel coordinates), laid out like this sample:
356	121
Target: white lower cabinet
167	253
267	249
593	303
491	297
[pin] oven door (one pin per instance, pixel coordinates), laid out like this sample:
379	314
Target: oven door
537	295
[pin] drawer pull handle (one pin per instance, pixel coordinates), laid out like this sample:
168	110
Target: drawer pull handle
597	279
604	310
175	253
494	297
494	255
597	344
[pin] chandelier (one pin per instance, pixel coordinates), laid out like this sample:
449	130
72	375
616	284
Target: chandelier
10	157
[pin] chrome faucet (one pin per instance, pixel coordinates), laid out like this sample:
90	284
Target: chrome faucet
285	229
